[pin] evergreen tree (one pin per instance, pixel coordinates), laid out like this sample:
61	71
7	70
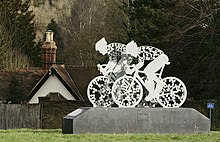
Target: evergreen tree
18	19
188	31
147	20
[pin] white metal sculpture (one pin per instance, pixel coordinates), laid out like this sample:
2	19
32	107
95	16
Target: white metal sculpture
133	85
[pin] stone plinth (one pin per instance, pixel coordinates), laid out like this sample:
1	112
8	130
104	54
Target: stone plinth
135	120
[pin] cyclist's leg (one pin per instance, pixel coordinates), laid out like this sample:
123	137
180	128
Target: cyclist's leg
151	70
119	69
154	79
159	84
155	84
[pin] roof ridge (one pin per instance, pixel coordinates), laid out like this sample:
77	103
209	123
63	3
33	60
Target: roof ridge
70	78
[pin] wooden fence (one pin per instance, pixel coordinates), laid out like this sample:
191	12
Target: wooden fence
19	116
49	114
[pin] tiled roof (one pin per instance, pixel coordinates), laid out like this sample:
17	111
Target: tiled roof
82	75
62	74
25	78
74	78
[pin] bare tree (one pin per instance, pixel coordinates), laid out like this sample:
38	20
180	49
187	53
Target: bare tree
10	59
82	22
90	21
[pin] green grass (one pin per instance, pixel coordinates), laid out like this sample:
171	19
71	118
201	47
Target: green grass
28	135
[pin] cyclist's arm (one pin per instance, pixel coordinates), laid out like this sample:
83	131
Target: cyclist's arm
105	69
136	67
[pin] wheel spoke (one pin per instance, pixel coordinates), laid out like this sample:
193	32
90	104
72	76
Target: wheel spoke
173	94
99	92
127	92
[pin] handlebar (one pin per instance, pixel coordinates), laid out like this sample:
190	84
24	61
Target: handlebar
129	69
132	66
101	66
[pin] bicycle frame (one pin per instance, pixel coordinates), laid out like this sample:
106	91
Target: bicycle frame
138	77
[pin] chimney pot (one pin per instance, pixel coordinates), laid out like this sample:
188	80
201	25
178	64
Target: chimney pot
49	36
49	50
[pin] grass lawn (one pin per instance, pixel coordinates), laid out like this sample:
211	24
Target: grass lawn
28	135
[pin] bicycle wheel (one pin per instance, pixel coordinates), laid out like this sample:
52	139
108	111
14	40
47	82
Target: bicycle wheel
173	94
127	92
99	92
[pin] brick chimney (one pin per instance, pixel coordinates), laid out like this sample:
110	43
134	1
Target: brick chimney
49	49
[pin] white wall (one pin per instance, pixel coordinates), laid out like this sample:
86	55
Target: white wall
52	84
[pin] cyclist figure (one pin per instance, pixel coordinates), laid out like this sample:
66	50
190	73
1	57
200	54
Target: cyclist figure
118	59
157	61
126	59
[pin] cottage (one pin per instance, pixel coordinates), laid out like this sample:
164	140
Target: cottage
53	80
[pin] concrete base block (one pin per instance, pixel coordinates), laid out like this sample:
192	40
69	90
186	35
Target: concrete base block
135	120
